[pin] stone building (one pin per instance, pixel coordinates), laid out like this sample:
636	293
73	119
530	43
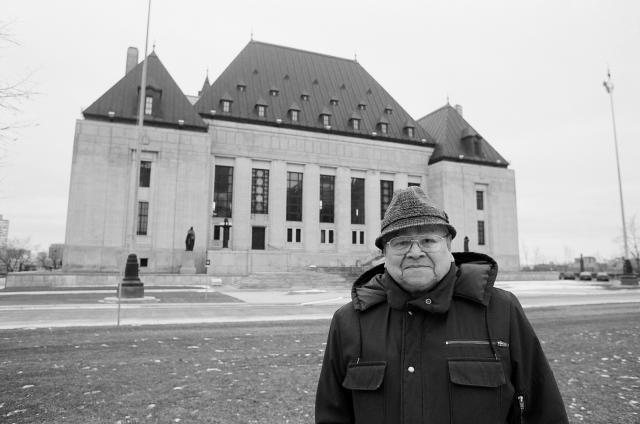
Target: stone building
4	232
287	160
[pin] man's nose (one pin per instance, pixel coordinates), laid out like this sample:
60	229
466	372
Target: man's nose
415	250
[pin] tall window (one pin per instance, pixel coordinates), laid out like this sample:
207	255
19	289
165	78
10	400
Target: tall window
383	128
145	173
148	105
294	115
357	200
326	120
481	240
262	110
386	193
327	188
480	200
223	191
294	196
143	218
259	190
226	106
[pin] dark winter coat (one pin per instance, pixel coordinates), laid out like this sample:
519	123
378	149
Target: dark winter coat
463	352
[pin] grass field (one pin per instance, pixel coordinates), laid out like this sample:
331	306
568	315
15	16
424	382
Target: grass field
266	373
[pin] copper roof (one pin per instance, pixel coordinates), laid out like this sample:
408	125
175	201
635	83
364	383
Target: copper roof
122	100
297	72
457	140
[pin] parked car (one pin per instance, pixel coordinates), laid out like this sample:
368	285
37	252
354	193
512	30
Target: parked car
585	275
602	276
567	275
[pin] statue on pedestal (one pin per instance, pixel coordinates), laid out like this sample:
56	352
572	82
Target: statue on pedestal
190	240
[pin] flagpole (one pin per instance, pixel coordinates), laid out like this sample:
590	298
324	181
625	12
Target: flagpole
608	85
140	134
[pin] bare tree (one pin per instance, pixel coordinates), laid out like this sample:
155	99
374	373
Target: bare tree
13	92
15	256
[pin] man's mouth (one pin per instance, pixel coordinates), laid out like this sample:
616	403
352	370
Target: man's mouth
415	266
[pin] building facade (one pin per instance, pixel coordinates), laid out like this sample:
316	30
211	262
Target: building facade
288	160
4	233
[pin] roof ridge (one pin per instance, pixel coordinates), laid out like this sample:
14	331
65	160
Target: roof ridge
435	111
303	51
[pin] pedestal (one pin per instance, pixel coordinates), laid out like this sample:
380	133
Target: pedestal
132	289
188	265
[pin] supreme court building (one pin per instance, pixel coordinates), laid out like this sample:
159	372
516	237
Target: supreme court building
288	160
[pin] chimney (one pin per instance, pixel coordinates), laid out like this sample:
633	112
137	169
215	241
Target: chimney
458	109
132	59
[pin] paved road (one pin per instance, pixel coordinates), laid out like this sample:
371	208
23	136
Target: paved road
261	305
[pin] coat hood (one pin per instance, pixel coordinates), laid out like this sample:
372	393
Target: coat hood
475	274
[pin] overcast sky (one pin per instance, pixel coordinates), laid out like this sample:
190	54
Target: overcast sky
528	75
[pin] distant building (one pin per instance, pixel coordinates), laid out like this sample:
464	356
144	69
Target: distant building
4	233
288	159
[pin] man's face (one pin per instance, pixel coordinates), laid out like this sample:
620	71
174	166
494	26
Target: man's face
416	270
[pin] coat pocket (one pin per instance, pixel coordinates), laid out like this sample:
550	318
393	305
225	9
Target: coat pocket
475	391
365	380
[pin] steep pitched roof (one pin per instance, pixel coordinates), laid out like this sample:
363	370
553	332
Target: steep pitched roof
170	103
457	140
279	76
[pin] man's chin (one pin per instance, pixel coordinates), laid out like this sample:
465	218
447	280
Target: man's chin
418	277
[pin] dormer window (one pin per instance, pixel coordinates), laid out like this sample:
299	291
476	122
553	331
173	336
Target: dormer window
273	92
383	125
333	101
362	106
241	86
354	121
408	129
388	110
225	102
148	105
294	115
304	96
326	120
261	108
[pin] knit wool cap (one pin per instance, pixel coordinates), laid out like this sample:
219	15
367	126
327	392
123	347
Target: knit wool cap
411	207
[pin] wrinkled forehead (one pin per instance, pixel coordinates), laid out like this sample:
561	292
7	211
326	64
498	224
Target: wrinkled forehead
431	229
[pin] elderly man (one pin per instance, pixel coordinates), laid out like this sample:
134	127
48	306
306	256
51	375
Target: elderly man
428	339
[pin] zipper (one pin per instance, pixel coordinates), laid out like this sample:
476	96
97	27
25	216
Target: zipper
521	403
498	343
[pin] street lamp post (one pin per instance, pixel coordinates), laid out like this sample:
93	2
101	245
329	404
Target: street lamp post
608	85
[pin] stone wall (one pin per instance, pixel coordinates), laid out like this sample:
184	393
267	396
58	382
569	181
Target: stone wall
453	185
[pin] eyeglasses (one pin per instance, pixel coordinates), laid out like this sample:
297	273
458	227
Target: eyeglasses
428	243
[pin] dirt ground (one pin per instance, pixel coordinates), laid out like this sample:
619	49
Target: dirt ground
266	373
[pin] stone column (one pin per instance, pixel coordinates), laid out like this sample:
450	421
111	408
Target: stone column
241	213
372	207
311	207
343	209
277	203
